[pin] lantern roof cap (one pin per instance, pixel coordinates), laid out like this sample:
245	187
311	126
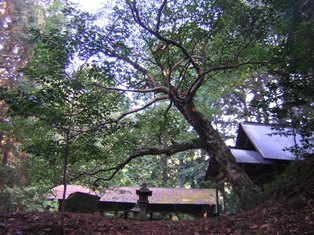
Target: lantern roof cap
144	190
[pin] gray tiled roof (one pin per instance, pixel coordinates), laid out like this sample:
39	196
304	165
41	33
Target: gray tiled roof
269	146
248	156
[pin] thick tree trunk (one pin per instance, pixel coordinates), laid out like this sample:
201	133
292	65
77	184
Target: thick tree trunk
216	148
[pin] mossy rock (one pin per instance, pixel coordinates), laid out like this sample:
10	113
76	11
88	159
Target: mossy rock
81	203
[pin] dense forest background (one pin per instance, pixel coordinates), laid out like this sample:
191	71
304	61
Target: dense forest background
145	91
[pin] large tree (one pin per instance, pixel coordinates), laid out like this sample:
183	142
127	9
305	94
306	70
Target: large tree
16	18
166	51
58	103
166	55
15	48
290	94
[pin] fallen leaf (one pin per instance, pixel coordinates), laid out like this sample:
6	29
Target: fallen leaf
265	226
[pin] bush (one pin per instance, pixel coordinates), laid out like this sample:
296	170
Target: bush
296	180
24	199
16	196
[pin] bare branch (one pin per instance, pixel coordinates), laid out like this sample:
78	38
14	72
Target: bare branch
196	85
150	77
161	89
168	150
138	20
232	66
116	120
164	3
168	108
142	107
199	81
182	74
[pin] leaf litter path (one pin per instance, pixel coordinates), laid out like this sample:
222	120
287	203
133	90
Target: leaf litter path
291	217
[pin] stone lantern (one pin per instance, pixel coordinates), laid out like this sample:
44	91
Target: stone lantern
140	208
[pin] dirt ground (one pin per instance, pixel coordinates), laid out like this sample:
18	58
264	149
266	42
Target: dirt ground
289	210
290	217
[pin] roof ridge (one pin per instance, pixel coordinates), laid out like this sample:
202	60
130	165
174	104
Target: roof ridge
258	123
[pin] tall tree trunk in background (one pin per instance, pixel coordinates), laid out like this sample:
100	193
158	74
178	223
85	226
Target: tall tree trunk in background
1	138
216	148
164	163
16	17
6	152
180	180
243	98
64	177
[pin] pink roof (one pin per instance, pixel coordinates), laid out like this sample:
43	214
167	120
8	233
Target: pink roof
159	196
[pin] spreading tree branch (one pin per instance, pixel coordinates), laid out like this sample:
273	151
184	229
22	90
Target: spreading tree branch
121	116
142	107
150	77
152	90
164	3
138	20
199	81
168	150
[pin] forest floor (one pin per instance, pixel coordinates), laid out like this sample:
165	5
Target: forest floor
292	217
289	211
